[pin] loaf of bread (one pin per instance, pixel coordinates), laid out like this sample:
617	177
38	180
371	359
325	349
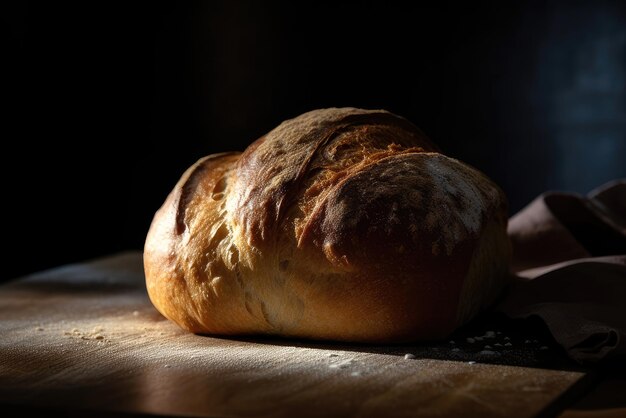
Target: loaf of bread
341	224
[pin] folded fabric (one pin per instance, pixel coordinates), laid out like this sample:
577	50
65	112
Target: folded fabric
569	257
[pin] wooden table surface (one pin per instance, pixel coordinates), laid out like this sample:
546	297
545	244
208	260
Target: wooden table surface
85	337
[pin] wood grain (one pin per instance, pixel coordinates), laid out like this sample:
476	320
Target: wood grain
85	336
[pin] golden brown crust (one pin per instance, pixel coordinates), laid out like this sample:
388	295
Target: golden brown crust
340	224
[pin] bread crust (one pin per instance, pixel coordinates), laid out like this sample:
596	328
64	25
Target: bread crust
340	224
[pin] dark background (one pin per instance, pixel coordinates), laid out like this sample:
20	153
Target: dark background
105	104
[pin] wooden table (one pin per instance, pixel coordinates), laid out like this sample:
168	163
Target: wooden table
85	337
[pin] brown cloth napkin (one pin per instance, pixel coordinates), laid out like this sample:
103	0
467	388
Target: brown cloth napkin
569	258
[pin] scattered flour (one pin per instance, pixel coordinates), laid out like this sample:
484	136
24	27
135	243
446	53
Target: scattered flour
343	364
94	334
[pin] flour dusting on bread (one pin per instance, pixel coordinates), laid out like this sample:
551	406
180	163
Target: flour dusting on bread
459	203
